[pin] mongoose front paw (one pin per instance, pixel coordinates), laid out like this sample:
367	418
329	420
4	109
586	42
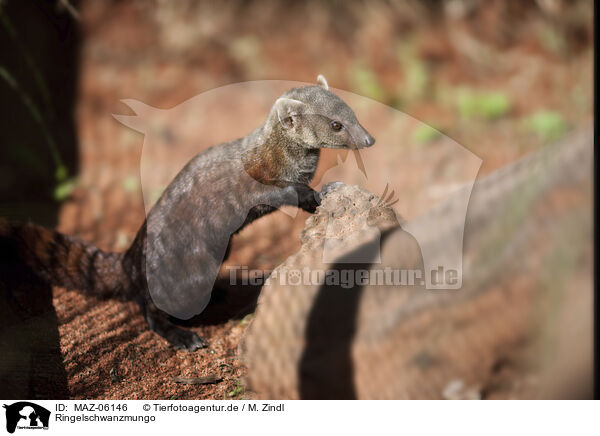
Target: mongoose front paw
311	205
308	198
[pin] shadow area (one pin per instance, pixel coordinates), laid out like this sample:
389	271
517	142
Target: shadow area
39	50
31	363
326	370
227	302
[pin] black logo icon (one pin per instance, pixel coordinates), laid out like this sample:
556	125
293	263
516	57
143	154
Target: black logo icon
26	415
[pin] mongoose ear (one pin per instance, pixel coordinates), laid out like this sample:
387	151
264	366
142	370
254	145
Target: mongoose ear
322	82
288	111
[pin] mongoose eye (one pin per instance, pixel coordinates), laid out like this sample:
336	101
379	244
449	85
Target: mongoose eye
336	125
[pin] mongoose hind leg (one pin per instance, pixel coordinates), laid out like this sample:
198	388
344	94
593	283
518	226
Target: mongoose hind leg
176	336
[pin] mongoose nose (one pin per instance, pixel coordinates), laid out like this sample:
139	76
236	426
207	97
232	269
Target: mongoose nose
369	140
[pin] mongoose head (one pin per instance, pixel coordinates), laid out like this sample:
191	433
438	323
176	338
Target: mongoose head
315	117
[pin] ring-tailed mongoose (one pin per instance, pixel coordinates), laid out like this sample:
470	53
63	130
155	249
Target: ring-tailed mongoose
172	264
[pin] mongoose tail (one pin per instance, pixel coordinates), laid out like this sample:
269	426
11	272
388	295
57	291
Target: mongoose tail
61	260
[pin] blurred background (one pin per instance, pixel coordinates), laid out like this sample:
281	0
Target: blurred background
501	78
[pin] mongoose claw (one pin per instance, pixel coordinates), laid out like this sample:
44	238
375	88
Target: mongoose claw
326	189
